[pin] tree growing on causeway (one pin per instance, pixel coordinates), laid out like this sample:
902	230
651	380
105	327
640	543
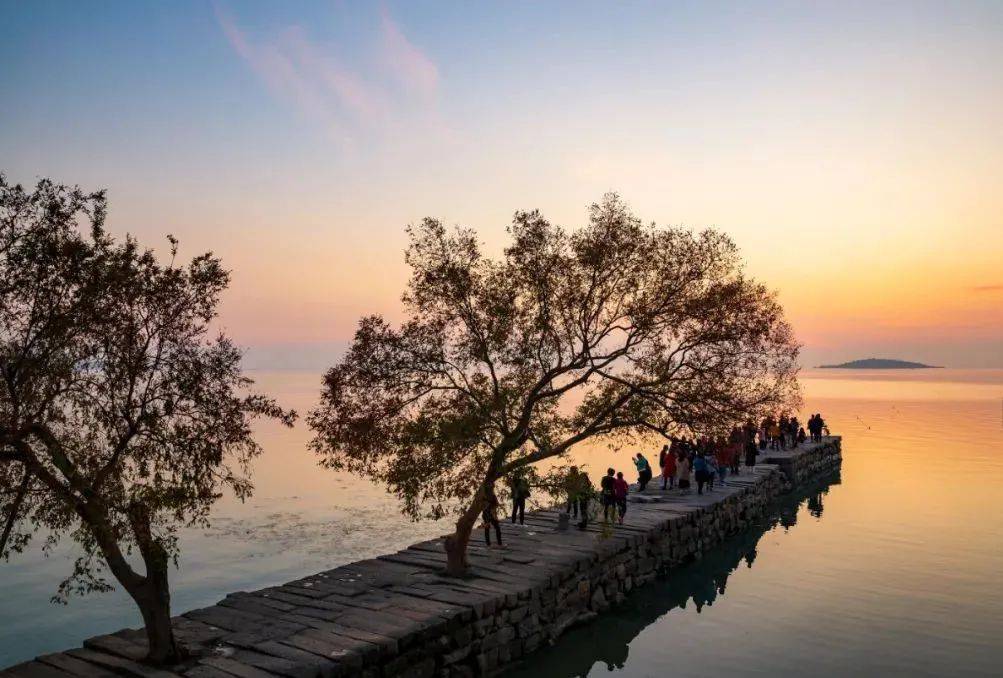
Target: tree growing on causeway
122	417
614	331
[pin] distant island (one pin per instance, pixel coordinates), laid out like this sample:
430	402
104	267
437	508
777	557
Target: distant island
879	364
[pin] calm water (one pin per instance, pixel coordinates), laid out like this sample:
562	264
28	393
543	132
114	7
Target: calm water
893	567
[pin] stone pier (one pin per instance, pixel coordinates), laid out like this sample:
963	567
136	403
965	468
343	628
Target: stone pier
397	615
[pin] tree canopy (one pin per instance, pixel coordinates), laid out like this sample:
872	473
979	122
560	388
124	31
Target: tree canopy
122	416
616	330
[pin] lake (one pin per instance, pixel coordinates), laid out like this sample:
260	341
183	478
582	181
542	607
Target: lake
891	567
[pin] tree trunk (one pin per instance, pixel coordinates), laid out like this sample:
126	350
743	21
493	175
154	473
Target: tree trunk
456	543
154	601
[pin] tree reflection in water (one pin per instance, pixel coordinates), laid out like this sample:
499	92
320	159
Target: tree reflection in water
608	639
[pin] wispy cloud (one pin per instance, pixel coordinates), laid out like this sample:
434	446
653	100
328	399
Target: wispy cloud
408	64
988	288
314	78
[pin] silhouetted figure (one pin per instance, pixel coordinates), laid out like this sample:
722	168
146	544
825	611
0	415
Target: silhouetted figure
490	516
584	496
815	426
723	459
773	433
683	470
751	452
737	441
701	470
620	489
607	493
520	493
573	488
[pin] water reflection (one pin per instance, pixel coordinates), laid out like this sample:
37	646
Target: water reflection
695	586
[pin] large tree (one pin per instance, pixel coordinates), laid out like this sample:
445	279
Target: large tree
616	330
121	416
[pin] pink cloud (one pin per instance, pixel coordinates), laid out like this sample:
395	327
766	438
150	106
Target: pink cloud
350	90
411	66
312	78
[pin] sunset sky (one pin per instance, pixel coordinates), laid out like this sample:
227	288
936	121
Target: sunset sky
854	151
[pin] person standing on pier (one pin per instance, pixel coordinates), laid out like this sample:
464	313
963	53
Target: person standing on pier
607	491
571	486
520	493
722	462
643	472
490	516
701	470
584	495
773	433
750	453
620	489
683	471
669	467
792	429
815	427
736	443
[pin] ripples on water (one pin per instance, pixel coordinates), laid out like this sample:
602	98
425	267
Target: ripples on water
895	570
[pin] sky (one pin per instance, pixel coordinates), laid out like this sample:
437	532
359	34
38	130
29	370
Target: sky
854	151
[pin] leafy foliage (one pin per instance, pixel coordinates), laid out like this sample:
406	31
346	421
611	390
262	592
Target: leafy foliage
616	330
121	416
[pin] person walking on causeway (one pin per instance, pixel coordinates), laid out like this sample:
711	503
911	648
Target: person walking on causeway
621	488
607	490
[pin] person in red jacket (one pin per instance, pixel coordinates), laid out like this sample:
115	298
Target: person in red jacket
620	489
669	467
725	458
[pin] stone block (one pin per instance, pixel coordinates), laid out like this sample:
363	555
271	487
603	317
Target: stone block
518	614
487	661
463	635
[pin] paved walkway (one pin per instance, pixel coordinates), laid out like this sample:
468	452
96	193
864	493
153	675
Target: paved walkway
370	613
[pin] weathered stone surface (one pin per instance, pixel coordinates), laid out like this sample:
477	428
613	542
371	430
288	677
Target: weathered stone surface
397	615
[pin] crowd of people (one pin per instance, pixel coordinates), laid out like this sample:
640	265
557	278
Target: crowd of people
681	463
